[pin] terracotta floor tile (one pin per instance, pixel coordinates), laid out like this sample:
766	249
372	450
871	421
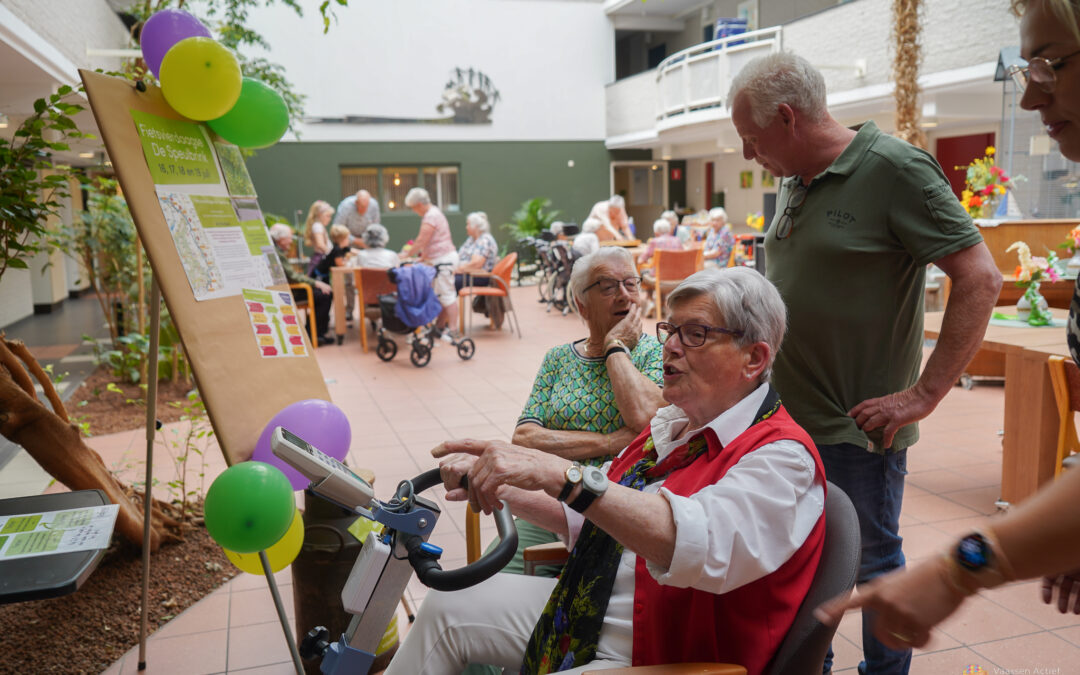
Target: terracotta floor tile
1025	600
209	614
184	655
923	540
257	645
948	662
257	606
980	620
1072	634
1038	653
931	509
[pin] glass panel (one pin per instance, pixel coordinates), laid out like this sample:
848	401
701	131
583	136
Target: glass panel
448	190
657	185
354	179
397	181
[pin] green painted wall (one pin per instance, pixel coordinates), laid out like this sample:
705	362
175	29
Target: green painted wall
495	177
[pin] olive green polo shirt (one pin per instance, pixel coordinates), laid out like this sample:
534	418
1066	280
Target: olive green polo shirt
852	274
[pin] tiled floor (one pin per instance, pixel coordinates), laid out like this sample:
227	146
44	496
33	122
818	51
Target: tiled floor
399	412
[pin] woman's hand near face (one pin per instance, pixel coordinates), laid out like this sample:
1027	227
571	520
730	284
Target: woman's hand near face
628	329
496	465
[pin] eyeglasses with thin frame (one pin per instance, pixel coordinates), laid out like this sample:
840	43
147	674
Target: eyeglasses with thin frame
610	286
1041	71
787	222
690	334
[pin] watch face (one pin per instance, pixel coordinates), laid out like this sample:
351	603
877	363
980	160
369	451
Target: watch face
973	553
573	474
595	480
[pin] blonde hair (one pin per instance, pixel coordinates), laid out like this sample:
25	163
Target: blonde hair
317	207
339	232
1067	11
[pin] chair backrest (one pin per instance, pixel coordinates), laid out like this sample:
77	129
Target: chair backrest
373	282
677	265
504	267
803	650
1065	378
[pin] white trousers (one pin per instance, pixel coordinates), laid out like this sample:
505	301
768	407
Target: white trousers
489	623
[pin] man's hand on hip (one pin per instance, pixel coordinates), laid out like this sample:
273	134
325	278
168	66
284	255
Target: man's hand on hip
893	412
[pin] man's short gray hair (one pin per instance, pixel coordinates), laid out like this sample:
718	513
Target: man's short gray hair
617	201
583	267
556	227
375	236
479	220
591	225
747	301
279	231
717	212
417	196
661	226
778	78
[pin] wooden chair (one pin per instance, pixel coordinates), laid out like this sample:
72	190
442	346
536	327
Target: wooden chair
499	288
672	267
1065	377
308	307
371	282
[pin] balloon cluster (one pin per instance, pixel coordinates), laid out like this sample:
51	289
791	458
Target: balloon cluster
201	80
250	507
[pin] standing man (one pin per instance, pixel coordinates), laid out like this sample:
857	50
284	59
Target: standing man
862	215
356	213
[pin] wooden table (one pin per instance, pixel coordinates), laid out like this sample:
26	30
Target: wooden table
1029	446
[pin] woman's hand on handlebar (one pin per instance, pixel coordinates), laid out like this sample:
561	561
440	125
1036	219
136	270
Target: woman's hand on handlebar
491	465
452	470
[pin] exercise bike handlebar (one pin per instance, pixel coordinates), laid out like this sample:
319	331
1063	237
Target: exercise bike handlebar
432	575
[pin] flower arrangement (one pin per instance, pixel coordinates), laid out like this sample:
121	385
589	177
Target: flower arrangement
756	221
1031	271
984	183
1072	241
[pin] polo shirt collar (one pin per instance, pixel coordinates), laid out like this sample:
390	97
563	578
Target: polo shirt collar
852	155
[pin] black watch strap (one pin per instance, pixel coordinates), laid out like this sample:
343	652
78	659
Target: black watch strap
583	501
567	488
615	350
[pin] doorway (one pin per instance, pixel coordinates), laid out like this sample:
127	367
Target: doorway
644	186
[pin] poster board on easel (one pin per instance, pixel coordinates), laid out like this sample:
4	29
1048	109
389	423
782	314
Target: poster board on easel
242	383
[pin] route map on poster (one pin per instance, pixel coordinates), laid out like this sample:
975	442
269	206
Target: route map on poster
51	532
278	331
220	237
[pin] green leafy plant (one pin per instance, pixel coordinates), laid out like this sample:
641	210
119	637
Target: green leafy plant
533	217
189	442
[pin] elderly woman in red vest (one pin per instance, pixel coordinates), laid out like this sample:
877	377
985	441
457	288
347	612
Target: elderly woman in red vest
697	543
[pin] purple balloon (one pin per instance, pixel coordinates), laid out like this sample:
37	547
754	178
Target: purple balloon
164	29
320	423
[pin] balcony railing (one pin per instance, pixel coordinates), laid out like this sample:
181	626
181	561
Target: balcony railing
698	78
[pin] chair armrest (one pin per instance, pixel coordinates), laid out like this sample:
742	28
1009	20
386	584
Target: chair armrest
539	555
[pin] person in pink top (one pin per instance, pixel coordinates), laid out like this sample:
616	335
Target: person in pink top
663	240
434	246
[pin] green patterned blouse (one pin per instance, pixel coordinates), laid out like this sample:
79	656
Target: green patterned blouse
572	392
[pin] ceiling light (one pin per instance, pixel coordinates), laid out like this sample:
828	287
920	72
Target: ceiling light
392	205
729	150
655	167
86	155
928	125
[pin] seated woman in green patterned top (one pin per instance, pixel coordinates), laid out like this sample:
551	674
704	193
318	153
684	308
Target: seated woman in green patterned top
593	396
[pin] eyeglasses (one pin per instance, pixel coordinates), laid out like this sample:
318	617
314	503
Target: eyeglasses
786	222
610	286
1042	72
690	334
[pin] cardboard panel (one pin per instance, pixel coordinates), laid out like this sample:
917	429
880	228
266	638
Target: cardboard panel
242	390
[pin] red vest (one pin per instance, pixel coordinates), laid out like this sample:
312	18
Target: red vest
744	626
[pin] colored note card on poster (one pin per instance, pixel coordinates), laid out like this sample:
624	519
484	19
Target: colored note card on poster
51	532
177	152
277	328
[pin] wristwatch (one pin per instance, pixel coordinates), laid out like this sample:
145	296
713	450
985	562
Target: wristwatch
594	483
975	564
573	477
615	346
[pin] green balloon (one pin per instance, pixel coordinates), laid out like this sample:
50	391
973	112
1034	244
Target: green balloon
259	118
249	507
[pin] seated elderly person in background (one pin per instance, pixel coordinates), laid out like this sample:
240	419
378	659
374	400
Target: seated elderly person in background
592	396
434	247
282	236
375	253
697	543
479	253
614	223
720	241
662	240
587	242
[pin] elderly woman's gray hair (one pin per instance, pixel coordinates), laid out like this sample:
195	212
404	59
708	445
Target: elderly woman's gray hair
718	213
583	267
556	227
479	220
375	236
661	226
671	217
778	78
416	197
279	231
746	300
591	225
617	201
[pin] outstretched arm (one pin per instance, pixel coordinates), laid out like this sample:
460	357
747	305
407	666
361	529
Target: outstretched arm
573	445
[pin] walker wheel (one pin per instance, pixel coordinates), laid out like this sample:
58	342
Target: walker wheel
386	350
420	355
466	348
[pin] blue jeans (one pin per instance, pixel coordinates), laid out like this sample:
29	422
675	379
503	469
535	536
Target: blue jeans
875	484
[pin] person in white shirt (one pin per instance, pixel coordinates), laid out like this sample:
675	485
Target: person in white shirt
375	253
614	223
587	242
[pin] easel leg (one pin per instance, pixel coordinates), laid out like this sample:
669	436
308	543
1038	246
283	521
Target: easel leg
151	432
281	613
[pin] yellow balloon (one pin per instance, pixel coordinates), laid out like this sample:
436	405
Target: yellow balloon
200	78
280	555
